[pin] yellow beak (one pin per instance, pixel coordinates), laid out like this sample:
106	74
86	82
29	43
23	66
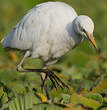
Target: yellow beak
91	38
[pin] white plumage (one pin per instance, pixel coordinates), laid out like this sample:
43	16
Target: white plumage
49	30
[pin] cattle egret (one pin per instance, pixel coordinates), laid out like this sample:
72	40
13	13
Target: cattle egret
48	31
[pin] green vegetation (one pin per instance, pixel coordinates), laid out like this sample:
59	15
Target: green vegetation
83	69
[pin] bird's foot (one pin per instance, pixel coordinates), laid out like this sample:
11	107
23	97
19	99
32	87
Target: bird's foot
56	81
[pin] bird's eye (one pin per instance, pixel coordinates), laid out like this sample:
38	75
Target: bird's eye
84	32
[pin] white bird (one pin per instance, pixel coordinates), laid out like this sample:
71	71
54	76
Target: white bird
48	31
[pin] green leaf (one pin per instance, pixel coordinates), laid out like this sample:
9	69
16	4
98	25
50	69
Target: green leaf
47	106
94	96
23	102
79	99
100	87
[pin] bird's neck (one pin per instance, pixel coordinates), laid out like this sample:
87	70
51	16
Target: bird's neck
76	38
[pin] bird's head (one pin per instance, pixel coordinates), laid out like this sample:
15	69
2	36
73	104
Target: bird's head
84	26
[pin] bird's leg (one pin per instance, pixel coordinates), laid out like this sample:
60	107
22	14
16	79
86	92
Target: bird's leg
55	80
43	77
19	66
45	73
44	86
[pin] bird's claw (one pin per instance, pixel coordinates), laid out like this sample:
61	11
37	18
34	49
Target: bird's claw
56	81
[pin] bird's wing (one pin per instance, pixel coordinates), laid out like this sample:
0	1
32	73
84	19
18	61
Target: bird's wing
27	30
35	24
17	37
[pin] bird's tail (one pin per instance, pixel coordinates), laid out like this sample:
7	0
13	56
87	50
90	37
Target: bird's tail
2	42
6	41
